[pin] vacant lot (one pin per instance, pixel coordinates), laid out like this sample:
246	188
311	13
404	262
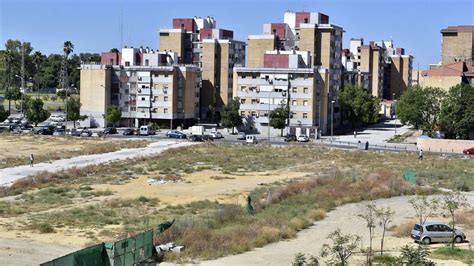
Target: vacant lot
205	187
17	149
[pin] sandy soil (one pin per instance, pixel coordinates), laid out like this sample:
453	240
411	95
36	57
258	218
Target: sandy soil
310	241
34	247
231	189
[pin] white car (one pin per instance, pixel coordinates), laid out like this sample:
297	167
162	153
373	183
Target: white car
216	135
302	138
251	139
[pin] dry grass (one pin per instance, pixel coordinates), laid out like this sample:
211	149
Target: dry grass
465	218
16	149
402	230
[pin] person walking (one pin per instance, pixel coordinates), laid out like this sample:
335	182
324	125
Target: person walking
420	155
32	160
355	134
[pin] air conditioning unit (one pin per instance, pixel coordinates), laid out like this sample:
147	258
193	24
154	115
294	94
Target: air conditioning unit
139	90
139	78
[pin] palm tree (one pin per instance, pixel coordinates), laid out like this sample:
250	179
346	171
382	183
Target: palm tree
38	59
9	60
68	48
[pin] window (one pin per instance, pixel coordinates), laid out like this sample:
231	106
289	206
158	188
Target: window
166	75
165	110
254	101
111	62
165	99
305	90
294	90
242	113
127	63
243	88
432	228
305	102
143	98
305	115
294	102
254	113
242	101
147	62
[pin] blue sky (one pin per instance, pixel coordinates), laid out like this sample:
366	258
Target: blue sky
94	26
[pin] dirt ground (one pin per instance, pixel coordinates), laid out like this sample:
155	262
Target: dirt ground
34	247
16	149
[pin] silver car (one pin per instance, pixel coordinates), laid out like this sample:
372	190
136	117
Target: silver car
431	232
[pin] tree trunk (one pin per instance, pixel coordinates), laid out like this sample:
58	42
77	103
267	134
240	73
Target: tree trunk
370	246
454	233
381	241
281	132
74	123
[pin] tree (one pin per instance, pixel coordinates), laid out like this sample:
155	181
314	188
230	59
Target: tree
3	113
457	112
450	203
414	255
358	106
369	215
385	217
420	107
278	117
114	114
342	247
74	110
114	50
13	95
230	116
38	59
36	113
302	260
424	207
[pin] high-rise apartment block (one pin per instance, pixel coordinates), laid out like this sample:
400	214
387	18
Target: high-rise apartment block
148	86
197	41
297	64
378	67
458	44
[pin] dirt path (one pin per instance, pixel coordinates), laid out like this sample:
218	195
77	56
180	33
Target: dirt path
9	175
310	241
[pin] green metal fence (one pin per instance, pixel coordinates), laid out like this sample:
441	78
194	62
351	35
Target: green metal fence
124	252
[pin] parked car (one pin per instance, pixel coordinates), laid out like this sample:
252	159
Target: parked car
174	134
432	232
109	131
468	151
86	133
129	132
146	130
241	136
303	138
44	131
251	139
289	138
207	137
196	138
73	132
57	118
59	132
216	135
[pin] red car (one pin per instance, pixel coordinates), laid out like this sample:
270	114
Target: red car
468	151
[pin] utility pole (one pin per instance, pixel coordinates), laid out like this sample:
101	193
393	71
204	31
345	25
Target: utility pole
332	119
22	78
288	104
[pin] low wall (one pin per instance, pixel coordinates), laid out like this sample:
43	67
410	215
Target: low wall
444	145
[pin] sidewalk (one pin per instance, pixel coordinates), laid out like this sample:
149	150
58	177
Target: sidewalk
9	175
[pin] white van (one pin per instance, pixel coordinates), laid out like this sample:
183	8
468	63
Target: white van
146	130
251	139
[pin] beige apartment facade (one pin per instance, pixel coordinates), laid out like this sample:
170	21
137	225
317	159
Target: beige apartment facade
304	90
458	44
401	74
167	95
257	46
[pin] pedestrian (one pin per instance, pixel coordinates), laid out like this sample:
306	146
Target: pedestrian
355	134
32	160
420	155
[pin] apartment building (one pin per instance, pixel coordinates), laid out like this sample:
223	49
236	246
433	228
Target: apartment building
199	42
148	86
449	75
378	67
304	52
457	44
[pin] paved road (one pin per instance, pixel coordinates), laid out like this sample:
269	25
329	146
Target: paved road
9	175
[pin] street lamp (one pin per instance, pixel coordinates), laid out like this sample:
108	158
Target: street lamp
332	119
395	112
22	90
